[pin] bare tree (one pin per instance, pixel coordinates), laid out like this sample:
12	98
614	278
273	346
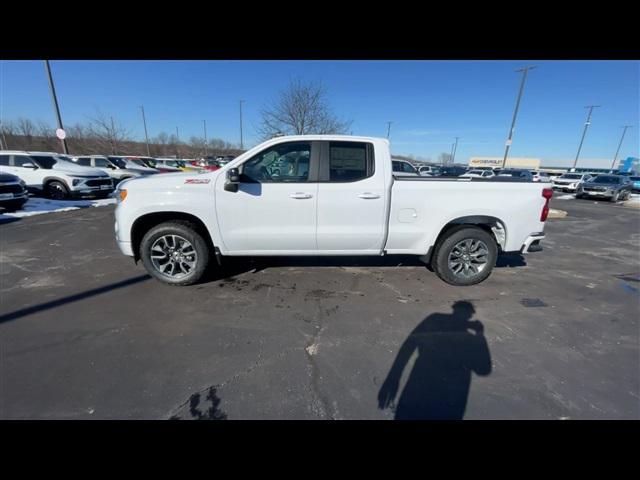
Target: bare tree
445	158
300	109
107	132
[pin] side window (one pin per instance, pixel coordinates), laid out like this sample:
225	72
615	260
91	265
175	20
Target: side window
348	162
84	161
4	160
19	160
286	162
407	168
101	163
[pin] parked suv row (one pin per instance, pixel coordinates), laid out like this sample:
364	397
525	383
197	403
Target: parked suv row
55	175
113	166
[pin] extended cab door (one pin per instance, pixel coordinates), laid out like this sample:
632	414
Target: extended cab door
274	209
351	199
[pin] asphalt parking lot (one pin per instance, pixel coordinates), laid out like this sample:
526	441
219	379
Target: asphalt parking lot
86	334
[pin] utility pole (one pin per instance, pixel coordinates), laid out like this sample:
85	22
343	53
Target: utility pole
3	139
584	133
55	105
146	136
525	71
206	149
455	148
177	142
113	138
615	157
241	139
388	128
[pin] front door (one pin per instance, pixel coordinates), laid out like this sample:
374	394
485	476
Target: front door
274	209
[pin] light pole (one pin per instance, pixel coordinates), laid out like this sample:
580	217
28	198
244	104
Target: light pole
584	133
206	150
455	148
241	139
113	137
177	143
146	136
389	128
615	157
55	105
525	71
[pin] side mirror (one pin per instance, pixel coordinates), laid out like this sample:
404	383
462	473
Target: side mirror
233	180
29	165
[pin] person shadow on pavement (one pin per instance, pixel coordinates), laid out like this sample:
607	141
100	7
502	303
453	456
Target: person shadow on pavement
450	347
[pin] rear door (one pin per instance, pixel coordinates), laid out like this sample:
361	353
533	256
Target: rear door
351	199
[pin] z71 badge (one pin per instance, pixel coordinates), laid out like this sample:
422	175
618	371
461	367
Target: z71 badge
197	180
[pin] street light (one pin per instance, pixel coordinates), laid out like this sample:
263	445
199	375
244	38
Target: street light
241	139
55	105
455	148
146	136
615	157
206	150
584	133
525	71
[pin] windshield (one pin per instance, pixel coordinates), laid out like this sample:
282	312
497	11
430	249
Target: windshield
475	172
46	162
512	173
571	176
118	162
139	162
606	179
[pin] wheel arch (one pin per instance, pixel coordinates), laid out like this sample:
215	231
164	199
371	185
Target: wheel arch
147	221
492	225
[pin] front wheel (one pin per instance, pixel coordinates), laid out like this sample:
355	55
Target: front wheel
57	190
466	256
615	197
174	253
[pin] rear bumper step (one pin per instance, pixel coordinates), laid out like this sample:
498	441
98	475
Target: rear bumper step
532	243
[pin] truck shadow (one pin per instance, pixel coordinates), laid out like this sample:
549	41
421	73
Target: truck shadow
232	266
450	347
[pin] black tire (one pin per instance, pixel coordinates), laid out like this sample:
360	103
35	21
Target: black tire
615	197
579	196
57	190
440	262
185	230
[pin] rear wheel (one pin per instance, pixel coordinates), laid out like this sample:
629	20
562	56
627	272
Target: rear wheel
174	253
57	190
466	256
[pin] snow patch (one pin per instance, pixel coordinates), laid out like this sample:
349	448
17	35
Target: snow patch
39	206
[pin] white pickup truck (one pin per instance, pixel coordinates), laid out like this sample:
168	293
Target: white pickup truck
325	195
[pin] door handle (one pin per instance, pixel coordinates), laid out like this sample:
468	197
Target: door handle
300	195
368	196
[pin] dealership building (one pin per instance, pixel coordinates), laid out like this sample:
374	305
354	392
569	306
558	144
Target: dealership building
512	162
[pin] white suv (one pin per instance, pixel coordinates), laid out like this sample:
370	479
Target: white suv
54	175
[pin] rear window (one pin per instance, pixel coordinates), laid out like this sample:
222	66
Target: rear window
347	161
606	179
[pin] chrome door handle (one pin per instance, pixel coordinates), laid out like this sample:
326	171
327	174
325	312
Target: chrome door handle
368	196
300	195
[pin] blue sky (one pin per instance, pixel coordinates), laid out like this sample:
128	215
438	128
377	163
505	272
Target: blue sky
430	102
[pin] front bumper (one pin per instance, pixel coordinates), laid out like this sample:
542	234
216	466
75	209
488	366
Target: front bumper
532	243
564	188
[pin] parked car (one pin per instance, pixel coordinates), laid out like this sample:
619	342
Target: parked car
569	182
158	164
113	166
541	176
635	184
142	164
342	199
13	192
179	164
478	174
403	168
452	171
519	173
429	171
612	187
50	174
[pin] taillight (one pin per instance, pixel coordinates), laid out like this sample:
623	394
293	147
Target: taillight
547	193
